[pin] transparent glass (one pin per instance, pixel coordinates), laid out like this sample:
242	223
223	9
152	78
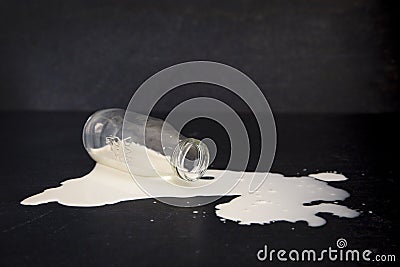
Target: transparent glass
151	148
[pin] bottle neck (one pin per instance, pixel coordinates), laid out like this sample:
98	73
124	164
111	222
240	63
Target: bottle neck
190	159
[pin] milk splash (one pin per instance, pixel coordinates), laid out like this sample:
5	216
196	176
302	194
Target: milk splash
279	198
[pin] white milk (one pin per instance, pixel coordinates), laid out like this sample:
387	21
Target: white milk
148	158
279	198
328	176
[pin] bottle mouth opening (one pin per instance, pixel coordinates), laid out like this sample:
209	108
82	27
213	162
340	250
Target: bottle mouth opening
190	159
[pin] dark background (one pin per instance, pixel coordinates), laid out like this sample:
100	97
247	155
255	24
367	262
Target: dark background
333	56
329	68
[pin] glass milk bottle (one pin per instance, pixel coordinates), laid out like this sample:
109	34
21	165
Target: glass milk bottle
150	147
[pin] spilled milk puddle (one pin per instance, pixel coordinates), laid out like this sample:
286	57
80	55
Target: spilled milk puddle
279	198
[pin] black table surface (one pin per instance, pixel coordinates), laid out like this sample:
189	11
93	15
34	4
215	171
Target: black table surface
41	149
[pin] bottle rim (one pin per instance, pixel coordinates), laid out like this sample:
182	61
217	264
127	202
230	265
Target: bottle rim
181	155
